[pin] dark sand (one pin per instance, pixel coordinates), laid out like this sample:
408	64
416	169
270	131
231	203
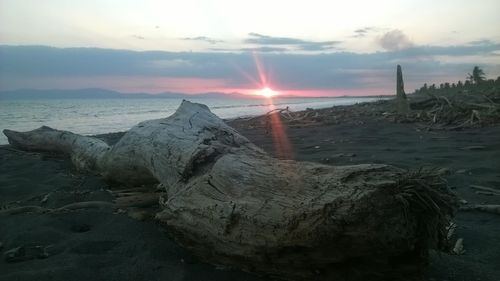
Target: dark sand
101	245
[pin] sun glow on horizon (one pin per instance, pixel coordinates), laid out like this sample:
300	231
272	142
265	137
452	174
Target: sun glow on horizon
267	92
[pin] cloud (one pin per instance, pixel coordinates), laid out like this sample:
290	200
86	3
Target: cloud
318	46
362	32
300	44
171	63
479	47
260	39
481	42
264	49
368	72
395	40
138	37
203	38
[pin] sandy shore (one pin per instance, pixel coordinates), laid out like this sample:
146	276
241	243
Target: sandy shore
100	244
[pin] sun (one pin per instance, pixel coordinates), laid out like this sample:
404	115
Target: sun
267	92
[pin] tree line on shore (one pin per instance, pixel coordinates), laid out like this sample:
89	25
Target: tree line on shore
475	81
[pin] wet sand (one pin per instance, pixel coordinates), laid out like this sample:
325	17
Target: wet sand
100	244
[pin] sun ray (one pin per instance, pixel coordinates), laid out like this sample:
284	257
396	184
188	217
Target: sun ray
260	69
281	141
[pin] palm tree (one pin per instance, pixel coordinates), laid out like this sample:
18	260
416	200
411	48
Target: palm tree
477	75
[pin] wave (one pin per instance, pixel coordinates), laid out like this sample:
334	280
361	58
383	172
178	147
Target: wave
255	105
146	111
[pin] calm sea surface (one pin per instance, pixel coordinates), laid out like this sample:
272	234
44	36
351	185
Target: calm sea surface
97	116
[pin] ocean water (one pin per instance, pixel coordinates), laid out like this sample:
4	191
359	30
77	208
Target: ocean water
98	116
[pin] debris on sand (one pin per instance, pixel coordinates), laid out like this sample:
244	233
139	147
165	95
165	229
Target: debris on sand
24	253
458	249
448	108
488	208
485	189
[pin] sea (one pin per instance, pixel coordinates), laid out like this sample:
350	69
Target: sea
98	116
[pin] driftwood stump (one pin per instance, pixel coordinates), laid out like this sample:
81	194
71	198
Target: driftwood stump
401	100
231	203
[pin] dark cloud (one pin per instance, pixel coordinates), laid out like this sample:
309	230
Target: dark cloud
362	32
343	70
480	47
204	38
260	39
481	42
299	44
318	46
395	40
264	49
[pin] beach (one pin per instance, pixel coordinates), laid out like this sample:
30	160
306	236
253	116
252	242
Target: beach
249	141
103	244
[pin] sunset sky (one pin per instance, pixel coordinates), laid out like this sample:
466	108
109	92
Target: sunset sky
298	47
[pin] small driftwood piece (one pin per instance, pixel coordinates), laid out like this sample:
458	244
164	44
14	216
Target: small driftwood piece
491	208
458	249
68	207
22	210
231	203
486	190
142	200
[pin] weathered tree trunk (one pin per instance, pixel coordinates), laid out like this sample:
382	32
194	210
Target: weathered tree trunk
401	100
231	203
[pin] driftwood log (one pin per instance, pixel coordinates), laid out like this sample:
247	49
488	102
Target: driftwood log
401	100
231	203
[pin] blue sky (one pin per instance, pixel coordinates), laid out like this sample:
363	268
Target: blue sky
300	47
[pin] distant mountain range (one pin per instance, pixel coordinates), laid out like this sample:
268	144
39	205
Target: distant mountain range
93	93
